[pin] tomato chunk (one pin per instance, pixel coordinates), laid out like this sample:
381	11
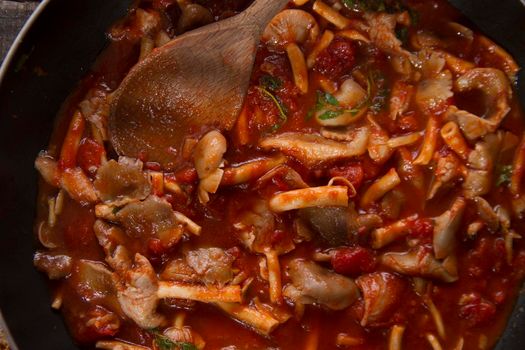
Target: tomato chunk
336	59
476	310
353	261
90	155
352	172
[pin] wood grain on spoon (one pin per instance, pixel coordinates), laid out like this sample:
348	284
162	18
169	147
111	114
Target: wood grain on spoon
199	78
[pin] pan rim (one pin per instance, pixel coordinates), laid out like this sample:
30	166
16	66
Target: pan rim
19	39
4	69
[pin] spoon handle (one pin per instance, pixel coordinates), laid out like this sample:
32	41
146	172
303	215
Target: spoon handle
261	12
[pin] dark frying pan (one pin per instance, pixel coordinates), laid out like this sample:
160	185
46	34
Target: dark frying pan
64	38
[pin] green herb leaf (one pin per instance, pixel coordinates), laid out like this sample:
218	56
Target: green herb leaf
187	346
325	99
504	175
382	92
330	99
270	82
330	115
165	343
277	102
310	114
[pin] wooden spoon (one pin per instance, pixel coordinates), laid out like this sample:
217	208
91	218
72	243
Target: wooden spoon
197	79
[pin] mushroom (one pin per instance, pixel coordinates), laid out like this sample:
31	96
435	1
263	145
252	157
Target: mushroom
255	229
381	292
348	109
151	217
286	31
56	266
420	262
193	16
382	32
78	186
120	183
312	284
48	169
445	227
251	170
331	223
496	91
208	158
139	292
312	149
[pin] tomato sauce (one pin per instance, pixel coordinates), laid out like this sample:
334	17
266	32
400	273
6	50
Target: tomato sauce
474	308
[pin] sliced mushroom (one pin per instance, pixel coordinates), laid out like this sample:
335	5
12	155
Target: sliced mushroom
381	292
487	214
48	169
291	27
382	32
312	284
193	16
496	90
331	223
433	93
419	262
123	182
445	227
151	217
137	294
312	149
78	186
55	266
214	265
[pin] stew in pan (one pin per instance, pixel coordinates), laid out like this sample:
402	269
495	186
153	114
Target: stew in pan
369	196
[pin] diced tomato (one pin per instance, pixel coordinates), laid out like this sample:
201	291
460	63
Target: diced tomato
371	170
143	156
499	296
408	123
353	261
89	155
352	172
487	256
156	247
186	175
96	324
153	166
421	228
336	59
477	310
277	236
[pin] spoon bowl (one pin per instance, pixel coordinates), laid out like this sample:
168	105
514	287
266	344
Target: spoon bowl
198	79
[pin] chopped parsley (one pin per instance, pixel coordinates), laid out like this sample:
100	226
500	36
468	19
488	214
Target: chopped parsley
268	85
165	343
378	81
270	82
326	100
280	106
389	6
504	175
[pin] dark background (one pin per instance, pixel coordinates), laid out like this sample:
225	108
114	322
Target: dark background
13	15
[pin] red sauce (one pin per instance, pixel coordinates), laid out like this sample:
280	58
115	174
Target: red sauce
476	305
